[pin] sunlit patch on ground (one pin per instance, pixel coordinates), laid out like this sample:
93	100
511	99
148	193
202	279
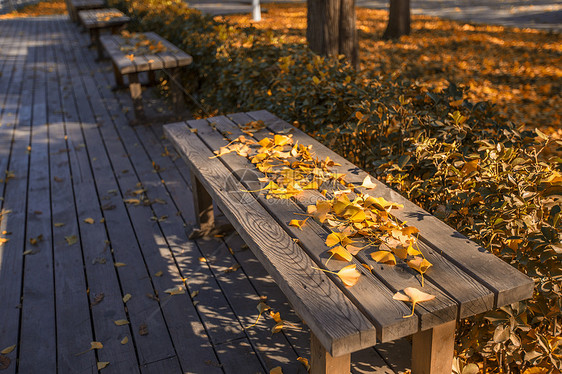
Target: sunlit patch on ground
44	8
518	69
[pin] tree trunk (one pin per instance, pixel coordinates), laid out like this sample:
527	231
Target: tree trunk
398	19
348	44
331	28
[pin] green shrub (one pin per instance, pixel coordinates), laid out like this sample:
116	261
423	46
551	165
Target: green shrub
461	161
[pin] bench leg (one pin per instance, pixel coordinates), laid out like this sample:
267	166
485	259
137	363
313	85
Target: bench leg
203	205
119	84
96	40
136	95
433	350
322	362
177	94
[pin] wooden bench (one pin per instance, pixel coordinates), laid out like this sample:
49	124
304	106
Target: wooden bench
465	278
145	52
97	20
78	5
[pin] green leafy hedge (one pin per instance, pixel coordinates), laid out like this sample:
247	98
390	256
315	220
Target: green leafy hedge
461	161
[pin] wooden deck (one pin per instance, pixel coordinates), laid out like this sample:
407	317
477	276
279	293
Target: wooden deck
95	210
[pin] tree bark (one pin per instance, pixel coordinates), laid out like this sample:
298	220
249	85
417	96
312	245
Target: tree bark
331	28
398	19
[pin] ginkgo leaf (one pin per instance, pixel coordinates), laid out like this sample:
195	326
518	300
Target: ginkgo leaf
368	183
278	369
353	249
276	316
102	364
119	264
381	203
7	350
304	361
58	224
96	345
278	327
412	295
337	238
419	264
349	275
121	322
340	253
72	239
403	252
125	340
298	223
158	273
126	298
175	291
89	220
384	257
354	213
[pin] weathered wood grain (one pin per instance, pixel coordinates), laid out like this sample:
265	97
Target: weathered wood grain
279	253
508	284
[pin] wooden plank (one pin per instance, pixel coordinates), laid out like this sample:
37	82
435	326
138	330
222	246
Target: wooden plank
508	284
73	326
187	332
38	304
280	254
102	279
168	365
16	115
433	350
238	355
439	310
384	312
368	361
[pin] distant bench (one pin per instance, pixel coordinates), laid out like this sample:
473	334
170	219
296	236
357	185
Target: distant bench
97	20
145	52
465	279
75	6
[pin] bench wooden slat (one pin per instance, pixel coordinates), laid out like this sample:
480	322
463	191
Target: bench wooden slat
90	18
382	310
124	64
174	52
508	285
338	324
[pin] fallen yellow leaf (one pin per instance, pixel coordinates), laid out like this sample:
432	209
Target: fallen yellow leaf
175	291
7	350
126	298
368	183
125	340
102	364
96	345
277	369
119	264
384	257
349	275
72	239
121	322
89	220
412	295
340	253
298	223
